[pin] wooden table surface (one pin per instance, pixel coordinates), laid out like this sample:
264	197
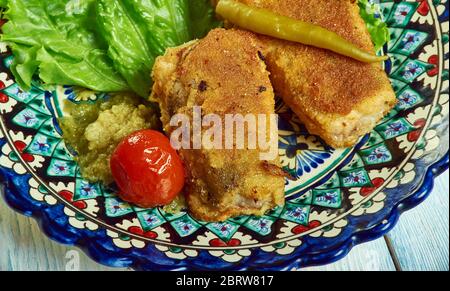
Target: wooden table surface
420	241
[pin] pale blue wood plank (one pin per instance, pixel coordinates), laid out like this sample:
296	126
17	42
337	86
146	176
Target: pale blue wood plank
421	239
24	247
371	256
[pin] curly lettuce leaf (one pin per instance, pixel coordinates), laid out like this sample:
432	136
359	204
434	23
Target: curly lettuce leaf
202	18
139	31
56	39
128	40
378	29
104	45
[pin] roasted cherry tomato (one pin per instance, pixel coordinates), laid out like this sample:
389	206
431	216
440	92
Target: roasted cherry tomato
147	170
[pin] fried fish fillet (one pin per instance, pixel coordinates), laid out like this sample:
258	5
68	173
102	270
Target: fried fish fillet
224	75
337	98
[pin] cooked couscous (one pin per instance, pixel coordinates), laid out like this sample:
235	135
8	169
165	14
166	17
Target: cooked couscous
94	130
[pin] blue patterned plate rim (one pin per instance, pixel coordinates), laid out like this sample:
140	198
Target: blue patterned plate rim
90	246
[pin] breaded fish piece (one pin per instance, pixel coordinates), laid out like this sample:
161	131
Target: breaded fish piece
337	98
224	75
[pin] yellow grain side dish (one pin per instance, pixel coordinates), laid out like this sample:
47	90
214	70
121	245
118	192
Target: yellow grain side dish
93	131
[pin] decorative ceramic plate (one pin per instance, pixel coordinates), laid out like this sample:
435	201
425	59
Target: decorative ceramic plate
341	197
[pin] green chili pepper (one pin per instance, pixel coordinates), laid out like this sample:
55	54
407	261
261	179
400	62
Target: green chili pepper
266	22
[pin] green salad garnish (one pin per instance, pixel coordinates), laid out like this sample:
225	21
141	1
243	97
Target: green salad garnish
378	29
103	45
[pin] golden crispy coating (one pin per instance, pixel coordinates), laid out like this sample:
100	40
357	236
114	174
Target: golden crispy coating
224	75
336	97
